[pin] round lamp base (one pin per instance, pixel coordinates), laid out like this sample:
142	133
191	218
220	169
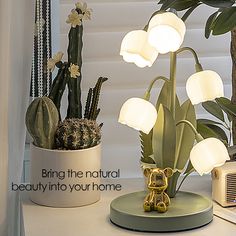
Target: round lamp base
186	211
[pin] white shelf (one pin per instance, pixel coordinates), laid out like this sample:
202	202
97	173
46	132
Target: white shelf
94	219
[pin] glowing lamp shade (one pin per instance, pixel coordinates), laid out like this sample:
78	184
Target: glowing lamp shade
208	154
204	86
166	32
139	114
135	48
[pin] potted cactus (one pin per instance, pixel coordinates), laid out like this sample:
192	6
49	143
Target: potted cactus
63	151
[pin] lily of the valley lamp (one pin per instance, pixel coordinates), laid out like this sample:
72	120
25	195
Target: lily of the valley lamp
169	138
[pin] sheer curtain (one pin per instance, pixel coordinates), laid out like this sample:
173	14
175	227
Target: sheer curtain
16	34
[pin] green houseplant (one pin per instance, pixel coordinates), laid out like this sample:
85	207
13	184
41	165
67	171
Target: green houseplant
224	112
222	21
72	143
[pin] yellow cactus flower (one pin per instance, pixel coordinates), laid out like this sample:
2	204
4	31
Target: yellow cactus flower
86	12
58	57
74	71
74	18
52	61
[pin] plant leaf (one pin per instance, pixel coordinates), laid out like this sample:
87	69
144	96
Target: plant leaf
206	132
184	135
225	22
178	5
209	24
164	140
219	3
227	106
189	11
165	98
212	131
181	5
146	147
166	4
220	132
214	109
189	168
208	122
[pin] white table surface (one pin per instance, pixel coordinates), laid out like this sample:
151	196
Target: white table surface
94	219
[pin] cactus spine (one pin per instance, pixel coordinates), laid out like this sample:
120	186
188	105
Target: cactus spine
74	134
42	121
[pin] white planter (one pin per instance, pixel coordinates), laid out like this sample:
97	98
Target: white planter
61	161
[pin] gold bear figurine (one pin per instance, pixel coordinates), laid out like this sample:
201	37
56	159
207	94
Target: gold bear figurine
157	199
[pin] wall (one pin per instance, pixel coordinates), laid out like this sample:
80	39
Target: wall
111	20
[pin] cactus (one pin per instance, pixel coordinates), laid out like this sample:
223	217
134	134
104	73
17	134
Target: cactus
58	86
64	77
41	121
73	82
75	57
91	110
74	134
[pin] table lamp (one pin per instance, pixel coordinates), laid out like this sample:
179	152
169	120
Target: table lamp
168	130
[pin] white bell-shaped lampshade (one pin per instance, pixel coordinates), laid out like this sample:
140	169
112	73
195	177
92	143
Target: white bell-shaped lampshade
135	48
204	86
138	114
166	32
208	154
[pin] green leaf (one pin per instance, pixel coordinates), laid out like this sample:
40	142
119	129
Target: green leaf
166	4
189	11
208	122
164	140
227	106
179	5
165	98
184	135
220	132
212	131
206	131
209	24
146	147
214	109
225	22
219	3
189	168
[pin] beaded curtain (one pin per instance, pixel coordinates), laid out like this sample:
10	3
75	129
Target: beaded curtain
41	78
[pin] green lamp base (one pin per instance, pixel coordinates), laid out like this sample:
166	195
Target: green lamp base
187	211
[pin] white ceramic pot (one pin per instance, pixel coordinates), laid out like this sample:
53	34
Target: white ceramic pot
62	188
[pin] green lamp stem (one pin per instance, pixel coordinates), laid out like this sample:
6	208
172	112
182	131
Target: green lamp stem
173	63
148	92
198	136
198	66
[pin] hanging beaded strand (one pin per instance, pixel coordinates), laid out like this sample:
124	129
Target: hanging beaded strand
38	47
41	76
48	42
33	64
40	54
